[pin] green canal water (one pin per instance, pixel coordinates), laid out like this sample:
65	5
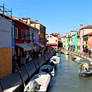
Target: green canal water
67	78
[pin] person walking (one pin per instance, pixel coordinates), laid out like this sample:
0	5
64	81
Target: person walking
89	53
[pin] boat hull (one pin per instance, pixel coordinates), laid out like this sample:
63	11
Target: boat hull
85	74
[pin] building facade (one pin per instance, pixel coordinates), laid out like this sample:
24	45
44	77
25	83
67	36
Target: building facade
6	45
52	41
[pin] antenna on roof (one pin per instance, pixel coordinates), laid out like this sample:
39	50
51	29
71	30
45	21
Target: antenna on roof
5	10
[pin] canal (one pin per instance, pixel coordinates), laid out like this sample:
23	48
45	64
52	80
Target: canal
67	78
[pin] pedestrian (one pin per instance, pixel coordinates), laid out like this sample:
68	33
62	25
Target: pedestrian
89	53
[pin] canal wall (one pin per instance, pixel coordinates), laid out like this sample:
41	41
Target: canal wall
14	81
81	55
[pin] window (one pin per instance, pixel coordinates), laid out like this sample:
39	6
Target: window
32	36
22	34
16	33
42	29
26	34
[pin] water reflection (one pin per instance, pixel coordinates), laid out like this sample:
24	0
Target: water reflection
67	78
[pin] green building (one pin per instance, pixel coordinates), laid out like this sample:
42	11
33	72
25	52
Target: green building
75	41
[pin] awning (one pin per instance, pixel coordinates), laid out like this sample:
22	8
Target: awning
39	44
26	47
52	44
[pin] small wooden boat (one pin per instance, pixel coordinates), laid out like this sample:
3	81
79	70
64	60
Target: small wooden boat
38	83
85	74
48	69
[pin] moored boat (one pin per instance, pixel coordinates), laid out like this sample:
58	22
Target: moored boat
85	74
38	83
66	53
48	69
55	59
84	70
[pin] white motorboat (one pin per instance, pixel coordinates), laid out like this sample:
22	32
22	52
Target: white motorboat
38	83
76	59
55	59
66	53
48	69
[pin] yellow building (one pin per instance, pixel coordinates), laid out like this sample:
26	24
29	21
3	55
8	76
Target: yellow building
42	31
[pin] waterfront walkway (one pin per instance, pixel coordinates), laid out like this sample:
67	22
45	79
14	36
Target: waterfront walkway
82	55
13	81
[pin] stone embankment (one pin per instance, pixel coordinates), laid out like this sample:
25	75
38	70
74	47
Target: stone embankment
81	55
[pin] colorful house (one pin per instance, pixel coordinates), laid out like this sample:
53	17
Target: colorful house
90	40
52	41
63	41
87	30
78	38
6	45
74	41
66	41
42	31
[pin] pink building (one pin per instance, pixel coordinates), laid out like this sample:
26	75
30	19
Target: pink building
81	37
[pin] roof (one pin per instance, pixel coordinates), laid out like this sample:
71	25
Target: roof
55	34
35	22
66	36
87	27
17	19
73	31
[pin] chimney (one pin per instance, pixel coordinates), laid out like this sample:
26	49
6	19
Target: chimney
81	26
28	20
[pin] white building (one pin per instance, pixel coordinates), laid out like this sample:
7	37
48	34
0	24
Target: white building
52	41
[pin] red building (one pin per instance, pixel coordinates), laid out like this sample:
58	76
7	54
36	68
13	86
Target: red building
22	33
